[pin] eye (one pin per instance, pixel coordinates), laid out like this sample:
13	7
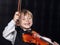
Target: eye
30	18
23	19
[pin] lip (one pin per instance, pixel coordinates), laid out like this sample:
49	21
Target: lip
27	23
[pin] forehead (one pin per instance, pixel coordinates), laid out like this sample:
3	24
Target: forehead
26	15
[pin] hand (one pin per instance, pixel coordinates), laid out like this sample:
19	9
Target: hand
16	16
55	43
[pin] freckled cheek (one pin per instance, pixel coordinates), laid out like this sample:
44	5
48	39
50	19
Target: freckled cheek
31	20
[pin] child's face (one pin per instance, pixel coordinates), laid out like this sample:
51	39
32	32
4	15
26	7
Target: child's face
26	21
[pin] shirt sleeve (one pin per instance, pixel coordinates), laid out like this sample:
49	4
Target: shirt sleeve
8	31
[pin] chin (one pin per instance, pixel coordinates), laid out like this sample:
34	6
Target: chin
27	27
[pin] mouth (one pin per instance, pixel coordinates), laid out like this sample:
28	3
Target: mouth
27	23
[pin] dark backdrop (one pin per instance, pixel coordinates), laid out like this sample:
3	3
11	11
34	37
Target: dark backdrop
46	16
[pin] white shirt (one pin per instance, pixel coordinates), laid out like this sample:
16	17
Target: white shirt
9	33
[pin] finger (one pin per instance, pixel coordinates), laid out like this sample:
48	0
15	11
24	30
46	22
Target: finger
17	13
55	43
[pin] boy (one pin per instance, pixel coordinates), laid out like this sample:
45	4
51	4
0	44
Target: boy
24	20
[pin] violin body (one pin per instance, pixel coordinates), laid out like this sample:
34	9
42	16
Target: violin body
31	39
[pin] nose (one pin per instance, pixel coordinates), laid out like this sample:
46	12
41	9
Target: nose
27	20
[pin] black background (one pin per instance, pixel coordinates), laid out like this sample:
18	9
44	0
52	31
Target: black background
46	17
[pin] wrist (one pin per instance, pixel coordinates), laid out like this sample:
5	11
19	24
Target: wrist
14	20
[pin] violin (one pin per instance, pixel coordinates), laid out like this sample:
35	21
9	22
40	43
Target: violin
28	38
